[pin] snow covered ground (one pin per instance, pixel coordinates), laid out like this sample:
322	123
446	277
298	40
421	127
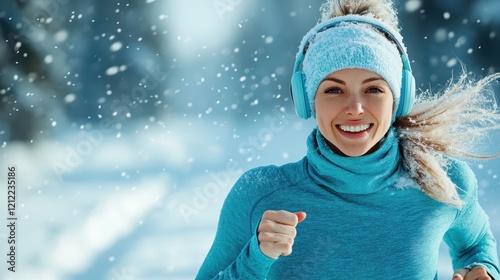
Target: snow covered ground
144	204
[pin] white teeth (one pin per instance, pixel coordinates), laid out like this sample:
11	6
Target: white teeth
357	128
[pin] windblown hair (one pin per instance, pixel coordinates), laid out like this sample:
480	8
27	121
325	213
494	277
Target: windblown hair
444	125
440	126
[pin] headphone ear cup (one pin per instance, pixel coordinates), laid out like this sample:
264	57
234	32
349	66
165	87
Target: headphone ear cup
299	96
407	94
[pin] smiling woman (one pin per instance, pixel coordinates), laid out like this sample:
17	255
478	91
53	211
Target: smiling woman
353	110
381	183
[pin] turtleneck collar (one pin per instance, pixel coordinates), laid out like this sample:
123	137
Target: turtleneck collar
354	175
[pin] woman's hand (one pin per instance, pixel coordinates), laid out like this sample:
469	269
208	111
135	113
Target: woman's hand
276	232
477	272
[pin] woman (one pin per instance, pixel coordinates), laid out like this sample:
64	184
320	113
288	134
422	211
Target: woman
380	183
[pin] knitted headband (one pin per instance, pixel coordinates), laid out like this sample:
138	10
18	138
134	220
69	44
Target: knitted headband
351	45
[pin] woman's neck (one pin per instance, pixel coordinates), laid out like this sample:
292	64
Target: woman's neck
357	175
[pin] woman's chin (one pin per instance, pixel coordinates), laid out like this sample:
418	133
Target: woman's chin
351	151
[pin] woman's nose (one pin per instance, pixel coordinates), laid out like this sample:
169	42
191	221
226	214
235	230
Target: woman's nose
354	107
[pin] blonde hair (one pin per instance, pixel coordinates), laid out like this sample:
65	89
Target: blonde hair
380	9
444	125
439	126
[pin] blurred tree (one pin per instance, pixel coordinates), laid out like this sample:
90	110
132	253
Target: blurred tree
76	62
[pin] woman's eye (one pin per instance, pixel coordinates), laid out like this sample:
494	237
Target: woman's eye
375	90
332	90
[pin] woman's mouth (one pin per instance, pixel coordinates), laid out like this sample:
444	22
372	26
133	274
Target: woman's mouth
354	128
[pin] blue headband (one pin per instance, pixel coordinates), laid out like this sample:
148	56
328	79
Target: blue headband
352	43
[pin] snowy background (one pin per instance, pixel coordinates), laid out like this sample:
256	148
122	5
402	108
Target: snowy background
129	121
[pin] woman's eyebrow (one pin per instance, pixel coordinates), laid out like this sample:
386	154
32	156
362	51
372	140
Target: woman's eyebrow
334	80
372	79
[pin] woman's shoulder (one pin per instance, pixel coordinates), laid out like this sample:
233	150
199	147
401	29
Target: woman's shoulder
462	176
256	184
274	174
262	180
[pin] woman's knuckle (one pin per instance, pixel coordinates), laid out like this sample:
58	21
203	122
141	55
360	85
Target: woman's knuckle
479	268
262	236
265	225
266	214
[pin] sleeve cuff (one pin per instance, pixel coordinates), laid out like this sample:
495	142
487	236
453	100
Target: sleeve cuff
257	254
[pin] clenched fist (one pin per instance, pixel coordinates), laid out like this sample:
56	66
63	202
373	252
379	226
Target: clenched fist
276	232
476	273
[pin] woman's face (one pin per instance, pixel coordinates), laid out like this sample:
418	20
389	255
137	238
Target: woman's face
353	110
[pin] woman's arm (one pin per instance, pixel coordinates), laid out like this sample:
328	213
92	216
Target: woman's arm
470	239
235	252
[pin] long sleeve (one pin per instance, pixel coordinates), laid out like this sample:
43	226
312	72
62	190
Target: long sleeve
470	239
235	252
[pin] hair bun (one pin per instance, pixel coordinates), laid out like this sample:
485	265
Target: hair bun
380	9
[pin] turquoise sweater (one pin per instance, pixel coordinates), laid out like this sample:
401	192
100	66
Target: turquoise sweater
365	220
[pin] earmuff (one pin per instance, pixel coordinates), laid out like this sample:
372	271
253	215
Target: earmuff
299	94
